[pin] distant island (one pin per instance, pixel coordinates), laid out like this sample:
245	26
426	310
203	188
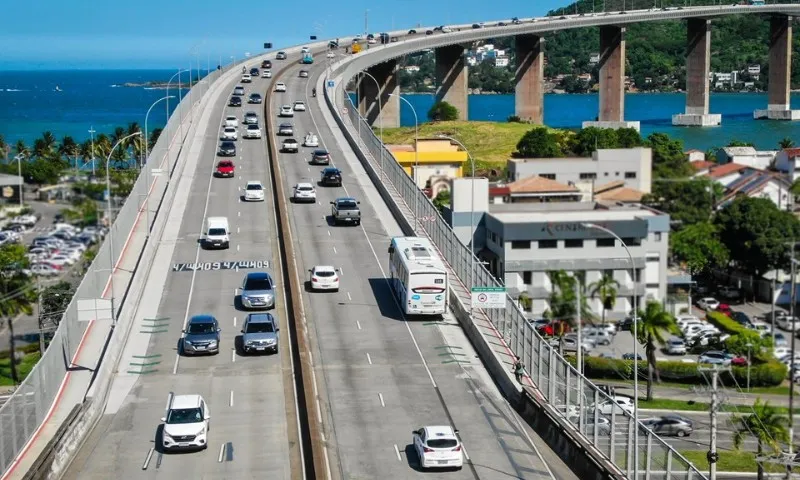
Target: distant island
152	85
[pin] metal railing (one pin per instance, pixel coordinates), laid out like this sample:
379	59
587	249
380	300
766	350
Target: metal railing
34	400
572	395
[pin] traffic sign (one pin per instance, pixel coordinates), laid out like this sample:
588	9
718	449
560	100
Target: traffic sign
488	297
157	171
331	83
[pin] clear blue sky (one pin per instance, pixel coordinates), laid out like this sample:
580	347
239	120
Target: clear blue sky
48	34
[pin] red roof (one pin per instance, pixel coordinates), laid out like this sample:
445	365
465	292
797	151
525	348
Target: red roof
720	171
702	165
499	191
792	152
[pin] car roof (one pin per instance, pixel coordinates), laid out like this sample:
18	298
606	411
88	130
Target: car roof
251	114
305	184
202	318
260	318
258	275
228	143
287	124
324	268
231	117
290	140
185	401
254	182
320	151
298	101
440	431
330	169
253	126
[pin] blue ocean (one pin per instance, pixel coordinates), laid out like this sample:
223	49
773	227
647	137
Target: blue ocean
30	104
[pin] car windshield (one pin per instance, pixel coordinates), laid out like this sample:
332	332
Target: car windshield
254	186
348	205
200	328
325	273
252	127
265	327
216	231
184	415
225	165
305	188
320	153
258	284
330	172
255	95
442	443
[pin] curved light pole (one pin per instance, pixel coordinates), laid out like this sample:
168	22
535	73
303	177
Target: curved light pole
144	161
111	224
380	112
180	107
416	154
471	213
18	157
635	328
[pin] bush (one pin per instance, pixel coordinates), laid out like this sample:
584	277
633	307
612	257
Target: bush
514	119
768	374
442	112
725	323
539	143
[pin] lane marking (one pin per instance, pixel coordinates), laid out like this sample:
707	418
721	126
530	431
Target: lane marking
358	324
177	359
237	248
221	453
233	355
169	401
234	321
349	297
369	359
341	271
397	452
238	230
334	250
329	232
380	395
147	459
239	214
231	401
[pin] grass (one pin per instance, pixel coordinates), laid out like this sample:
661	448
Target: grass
692	406
24	367
489	143
782	390
730	461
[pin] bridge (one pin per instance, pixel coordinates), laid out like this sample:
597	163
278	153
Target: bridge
352	377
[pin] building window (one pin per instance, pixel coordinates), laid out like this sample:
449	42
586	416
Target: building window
548	243
630	174
606	242
588	176
527	278
657	236
573	243
551	176
632	242
520	244
616	173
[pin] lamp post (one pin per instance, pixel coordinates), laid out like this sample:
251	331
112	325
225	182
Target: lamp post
18	157
111	223
92	131
380	112
180	114
471	213
635	327
749	348
144	162
416	154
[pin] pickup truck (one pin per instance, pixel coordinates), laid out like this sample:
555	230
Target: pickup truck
345	210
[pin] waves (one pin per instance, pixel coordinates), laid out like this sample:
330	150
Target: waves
12	90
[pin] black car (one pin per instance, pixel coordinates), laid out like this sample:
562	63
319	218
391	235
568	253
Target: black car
254	98
331	177
412	32
741	318
235	102
515	21
332	44
266	64
227	149
477	26
428	32
501	24
254	72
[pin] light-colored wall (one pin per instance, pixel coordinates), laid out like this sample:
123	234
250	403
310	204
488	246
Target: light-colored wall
787	165
608	165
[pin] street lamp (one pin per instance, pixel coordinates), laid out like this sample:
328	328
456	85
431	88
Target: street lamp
92	131
471	213
635	327
18	157
380	112
111	223
180	114
749	348
416	153
144	161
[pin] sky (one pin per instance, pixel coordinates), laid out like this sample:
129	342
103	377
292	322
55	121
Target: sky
92	34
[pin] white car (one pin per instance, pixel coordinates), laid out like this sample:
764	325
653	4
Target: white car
763	328
780	352
280	87
599	337
304	192
299	106
254	191
305	50
286	111
266	74
252	131
44	270
371	41
186	423
438	447
623	404
311	140
230	133
330	55
676	346
246	78
788	323
708	303
324	277
61	260
231	121
250	118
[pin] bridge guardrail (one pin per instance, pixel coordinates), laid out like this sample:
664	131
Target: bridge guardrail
34	400
555	380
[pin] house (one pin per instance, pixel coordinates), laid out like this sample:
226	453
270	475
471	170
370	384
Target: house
759	184
434	165
748	156
723	174
537	189
695	155
788	161
701	167
617	192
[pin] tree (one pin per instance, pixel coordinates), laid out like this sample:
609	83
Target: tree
83	212
154	137
54	302
606	289
123	180
629	138
442	112
16	292
21	149
42	171
769	427
563	299
700	247
785	143
651	327
69	148
539	143
589	139
739	143
756	233
442	200
5	148
688	201
669	161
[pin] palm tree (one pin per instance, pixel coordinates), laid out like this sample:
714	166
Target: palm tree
5	148
69	148
767	425
785	143
45	146
606	289
136	142
651	326
20	148
102	147
154	137
563	299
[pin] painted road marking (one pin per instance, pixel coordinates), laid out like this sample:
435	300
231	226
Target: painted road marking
358	324
397	452
209	266
147	459
369	359
380	395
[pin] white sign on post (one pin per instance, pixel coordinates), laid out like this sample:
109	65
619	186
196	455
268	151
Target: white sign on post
488	297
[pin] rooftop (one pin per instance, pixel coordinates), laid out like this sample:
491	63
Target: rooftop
620	194
702	165
720	171
740	150
792	152
565	212
536	184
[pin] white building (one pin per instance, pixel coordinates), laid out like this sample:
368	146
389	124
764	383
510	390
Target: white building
501	62
754	69
788	161
748	156
759	184
695	155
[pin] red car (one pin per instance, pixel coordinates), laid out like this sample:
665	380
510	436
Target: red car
739	361
225	168
724	308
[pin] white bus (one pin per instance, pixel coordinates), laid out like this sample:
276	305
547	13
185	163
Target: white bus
419	277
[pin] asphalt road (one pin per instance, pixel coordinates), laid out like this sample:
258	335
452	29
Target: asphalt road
383	376
245	394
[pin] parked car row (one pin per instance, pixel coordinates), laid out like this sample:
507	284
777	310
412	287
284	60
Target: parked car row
61	248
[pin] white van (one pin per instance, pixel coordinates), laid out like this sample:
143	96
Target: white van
217	233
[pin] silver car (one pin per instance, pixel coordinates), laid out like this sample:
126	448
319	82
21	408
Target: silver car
260	333
201	335
258	291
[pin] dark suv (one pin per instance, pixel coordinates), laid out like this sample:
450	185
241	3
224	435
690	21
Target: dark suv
331	177
254	72
320	157
235	102
266	64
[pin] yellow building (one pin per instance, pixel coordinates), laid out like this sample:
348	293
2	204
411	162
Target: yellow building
439	161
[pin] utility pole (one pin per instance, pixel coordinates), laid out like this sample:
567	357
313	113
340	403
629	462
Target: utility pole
41	318
713	455
792	302
92	131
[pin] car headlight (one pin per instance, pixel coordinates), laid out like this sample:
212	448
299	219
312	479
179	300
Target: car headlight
270	341
187	342
166	436
212	343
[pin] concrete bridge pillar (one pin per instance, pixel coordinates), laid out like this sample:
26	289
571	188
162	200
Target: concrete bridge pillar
780	69
529	78
698	62
388	109
612	80
451	78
